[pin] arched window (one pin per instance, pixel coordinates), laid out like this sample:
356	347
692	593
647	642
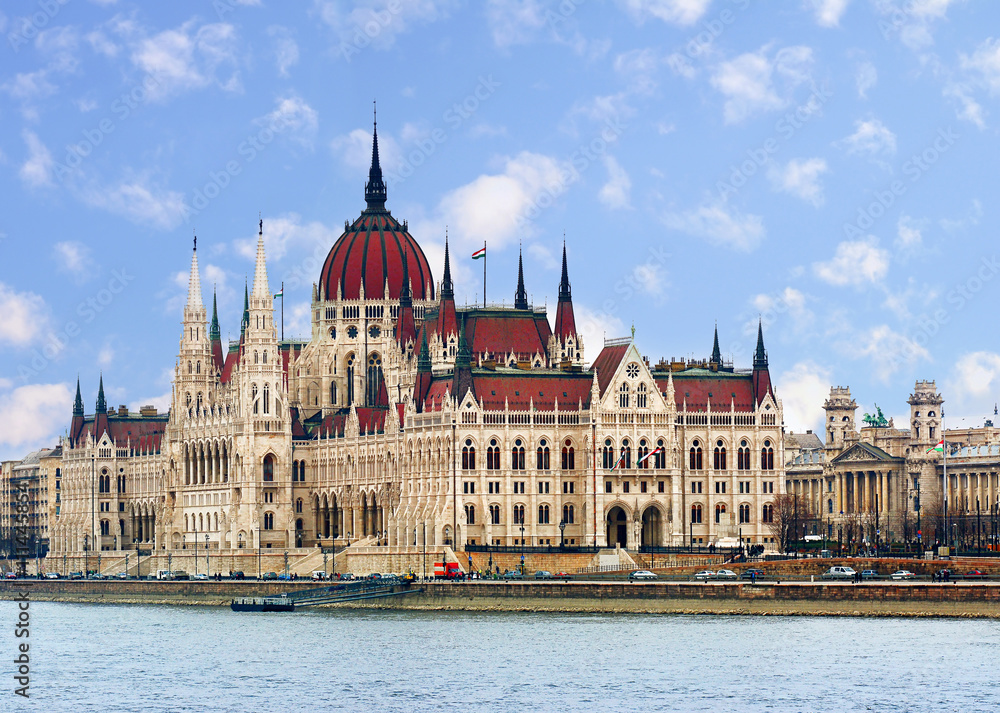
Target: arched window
767	513
743	456
298	505
198	403
374	380
640	396
568	514
720	510
269	521
470	514
542	456
626	456
268	467
197	368
829	506
519	514
696	514
641	461
694	456
623	396
468	455
105	527
543	514
253	398
719	456
767	456
267	398
190	368
661	454
517	455
608	455
744	513
256	357
494	514
333	393
568	457
263	357
350	379
493	456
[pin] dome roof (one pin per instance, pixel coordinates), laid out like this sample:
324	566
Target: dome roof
372	250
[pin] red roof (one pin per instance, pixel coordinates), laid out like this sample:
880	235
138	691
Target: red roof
142	433
695	390
501	332
607	362
372	250
565	320
519	389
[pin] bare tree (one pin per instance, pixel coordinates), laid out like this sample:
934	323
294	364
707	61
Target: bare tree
791	513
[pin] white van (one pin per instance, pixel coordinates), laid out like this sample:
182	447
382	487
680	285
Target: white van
840	573
319	574
163	574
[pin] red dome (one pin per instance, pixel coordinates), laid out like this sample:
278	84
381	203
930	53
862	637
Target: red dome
372	250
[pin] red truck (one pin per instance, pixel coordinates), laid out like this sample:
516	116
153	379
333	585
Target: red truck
448	570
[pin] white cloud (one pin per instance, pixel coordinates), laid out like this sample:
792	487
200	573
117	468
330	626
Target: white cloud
802	390
160	401
800	178
748	81
650	279
967	108
975	377
32	417
971	218
73	257
828	12
186	59
293	117
355	151
138	200
615	193
719	225
865	78
888	350
676	12
771	308
855	263
101	44
287	233
913	19
286	50
985	63
514	21
106	355
36	171
595	328
870	137
542	255
378	22
25	316
908	233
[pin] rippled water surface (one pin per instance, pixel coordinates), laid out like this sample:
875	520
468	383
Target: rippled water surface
157	658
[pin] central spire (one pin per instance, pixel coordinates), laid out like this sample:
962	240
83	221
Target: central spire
760	355
521	296
375	193
716	352
261	290
564	289
447	288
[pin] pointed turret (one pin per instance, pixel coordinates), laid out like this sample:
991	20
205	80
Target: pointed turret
761	375
76	426
447	287
215	337
78	403
375	193
462	380
716	359
261	290
447	323
101	414
565	319
246	310
102	404
406	328
521	295
423	382
194	280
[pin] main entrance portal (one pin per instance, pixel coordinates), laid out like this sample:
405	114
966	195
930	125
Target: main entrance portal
617	527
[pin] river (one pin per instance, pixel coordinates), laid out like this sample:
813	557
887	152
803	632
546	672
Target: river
87	657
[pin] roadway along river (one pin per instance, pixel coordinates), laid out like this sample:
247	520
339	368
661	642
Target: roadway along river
87	657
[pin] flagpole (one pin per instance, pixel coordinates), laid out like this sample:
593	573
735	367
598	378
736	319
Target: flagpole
944	479
484	274
282	310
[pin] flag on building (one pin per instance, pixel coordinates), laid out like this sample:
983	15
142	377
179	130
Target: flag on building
939	448
658	449
615	466
479	253
280	293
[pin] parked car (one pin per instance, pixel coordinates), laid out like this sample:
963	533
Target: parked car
564	576
704	575
179	575
726	574
512	574
123	575
753	574
976	574
902	574
867	574
270	575
200	576
346	577
543	574
319	574
238	574
76	575
641	574
51	575
838	572
11	575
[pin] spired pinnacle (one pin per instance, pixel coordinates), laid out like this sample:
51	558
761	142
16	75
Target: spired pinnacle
214	333
375	193
521	296
102	405
78	403
760	355
447	288
564	289
716	352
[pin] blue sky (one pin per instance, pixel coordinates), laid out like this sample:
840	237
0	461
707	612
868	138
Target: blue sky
824	165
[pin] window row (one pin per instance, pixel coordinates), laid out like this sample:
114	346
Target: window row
646	455
719	456
494	460
766	515
568	515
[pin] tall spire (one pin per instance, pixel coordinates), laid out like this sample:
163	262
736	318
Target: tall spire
261	290
78	404
214	333
716	352
246	309
760	356
405	294
375	193
521	296
464	356
194	280
447	288
102	404
564	289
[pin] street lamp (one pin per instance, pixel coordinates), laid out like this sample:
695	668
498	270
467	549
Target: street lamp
258	552
424	562
86	557
208	570
286	564
562	534
522	548
196	550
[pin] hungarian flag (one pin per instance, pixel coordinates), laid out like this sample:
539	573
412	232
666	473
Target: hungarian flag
649	455
615	466
479	253
280	293
938	448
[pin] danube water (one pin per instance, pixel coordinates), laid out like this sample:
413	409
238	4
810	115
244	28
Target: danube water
87	657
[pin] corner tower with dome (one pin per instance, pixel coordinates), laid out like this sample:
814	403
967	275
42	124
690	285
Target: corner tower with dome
407	420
